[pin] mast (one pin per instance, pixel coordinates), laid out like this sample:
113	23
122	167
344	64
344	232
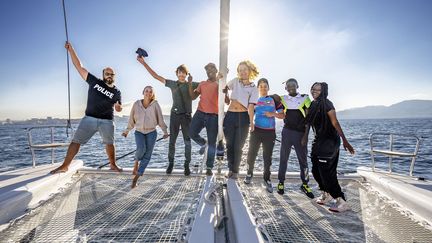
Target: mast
223	60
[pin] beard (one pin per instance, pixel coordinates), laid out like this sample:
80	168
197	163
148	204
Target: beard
108	81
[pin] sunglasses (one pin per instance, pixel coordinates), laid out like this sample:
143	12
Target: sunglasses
110	74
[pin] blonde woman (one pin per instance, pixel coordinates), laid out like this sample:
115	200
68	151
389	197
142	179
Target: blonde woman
239	118
145	115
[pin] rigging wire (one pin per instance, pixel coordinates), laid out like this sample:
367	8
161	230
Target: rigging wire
68	71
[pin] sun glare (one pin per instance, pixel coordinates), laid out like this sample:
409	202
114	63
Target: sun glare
243	34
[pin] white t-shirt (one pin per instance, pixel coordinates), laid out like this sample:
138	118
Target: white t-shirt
244	94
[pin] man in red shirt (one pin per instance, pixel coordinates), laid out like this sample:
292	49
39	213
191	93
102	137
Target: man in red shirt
206	114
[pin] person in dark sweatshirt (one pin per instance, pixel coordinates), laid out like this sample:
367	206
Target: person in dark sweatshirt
325	147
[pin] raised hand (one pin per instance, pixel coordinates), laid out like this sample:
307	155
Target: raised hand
68	46
140	59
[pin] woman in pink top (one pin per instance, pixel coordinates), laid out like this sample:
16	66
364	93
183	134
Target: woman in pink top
145	115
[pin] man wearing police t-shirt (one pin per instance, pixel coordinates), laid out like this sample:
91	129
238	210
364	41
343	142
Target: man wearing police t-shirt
103	97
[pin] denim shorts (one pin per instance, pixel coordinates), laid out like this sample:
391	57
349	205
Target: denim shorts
90	125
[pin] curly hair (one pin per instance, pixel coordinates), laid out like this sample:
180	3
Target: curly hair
253	70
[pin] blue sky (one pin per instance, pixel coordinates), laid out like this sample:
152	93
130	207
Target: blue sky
370	52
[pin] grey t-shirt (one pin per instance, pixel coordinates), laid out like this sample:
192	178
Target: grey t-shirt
244	94
182	102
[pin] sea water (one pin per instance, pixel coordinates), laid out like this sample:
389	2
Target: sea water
15	152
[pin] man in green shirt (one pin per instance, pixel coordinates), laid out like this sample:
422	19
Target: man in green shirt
181	110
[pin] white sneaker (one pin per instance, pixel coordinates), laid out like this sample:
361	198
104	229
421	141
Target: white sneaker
340	206
324	198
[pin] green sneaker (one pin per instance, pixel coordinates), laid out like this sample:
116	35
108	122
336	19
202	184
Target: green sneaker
307	190
280	188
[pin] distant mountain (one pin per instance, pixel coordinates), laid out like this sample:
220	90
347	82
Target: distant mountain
404	109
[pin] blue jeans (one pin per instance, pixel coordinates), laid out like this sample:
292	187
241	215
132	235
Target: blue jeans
236	130
145	144
210	122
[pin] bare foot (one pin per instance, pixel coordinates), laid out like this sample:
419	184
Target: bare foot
115	168
59	170
134	181
135	168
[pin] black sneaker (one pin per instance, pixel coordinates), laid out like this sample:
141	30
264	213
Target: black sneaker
248	179
280	188
187	171
209	172
307	190
170	168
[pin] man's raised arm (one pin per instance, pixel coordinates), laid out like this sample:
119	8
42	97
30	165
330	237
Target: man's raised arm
150	70
76	62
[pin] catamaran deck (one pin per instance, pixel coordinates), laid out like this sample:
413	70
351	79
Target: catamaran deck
294	218
101	207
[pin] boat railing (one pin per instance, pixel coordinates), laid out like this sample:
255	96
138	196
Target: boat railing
52	144
391	152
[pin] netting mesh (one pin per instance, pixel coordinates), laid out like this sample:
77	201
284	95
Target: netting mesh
293	217
103	208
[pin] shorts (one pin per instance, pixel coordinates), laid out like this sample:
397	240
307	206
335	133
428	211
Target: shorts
90	125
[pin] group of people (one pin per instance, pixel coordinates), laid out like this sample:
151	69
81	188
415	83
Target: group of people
251	110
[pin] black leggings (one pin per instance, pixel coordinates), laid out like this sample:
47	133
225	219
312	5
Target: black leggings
267	139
